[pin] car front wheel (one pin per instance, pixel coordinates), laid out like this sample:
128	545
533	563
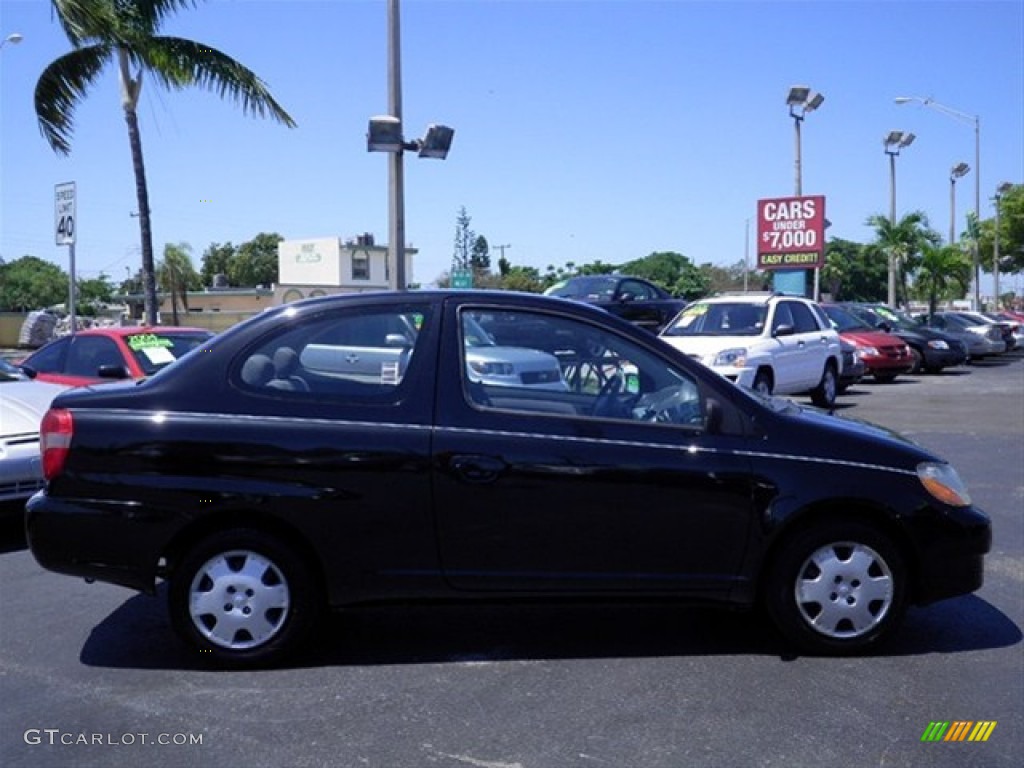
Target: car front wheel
243	598
837	588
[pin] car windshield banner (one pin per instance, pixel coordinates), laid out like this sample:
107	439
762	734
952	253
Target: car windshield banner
791	232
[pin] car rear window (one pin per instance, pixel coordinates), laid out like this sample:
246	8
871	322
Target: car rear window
154	351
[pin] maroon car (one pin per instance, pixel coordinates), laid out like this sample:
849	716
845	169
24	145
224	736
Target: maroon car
885	355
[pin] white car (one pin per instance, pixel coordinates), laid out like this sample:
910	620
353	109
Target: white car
23	403
771	343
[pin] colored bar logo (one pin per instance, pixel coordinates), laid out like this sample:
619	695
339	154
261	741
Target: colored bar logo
959	730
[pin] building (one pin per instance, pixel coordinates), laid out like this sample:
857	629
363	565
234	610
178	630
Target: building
327	265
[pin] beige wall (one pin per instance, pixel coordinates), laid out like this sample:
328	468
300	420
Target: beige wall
11	322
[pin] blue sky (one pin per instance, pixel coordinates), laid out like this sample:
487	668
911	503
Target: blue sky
597	129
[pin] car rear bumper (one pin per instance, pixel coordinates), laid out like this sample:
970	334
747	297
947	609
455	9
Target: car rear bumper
108	542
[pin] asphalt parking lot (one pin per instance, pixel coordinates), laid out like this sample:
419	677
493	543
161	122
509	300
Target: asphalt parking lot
91	675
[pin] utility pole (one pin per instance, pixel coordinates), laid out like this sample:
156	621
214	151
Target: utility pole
501	248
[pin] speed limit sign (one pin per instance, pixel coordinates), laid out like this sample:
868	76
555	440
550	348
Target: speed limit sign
64	213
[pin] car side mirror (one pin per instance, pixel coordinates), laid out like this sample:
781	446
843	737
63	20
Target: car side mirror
784	330
29	371
884	326
113	372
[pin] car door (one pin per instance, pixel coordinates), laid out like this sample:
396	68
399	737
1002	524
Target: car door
613	484
811	345
637	302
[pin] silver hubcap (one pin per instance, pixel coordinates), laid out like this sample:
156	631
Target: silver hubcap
844	590
239	600
830	385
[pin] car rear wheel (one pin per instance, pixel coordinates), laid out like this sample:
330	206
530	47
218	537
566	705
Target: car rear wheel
824	395
837	588
243	598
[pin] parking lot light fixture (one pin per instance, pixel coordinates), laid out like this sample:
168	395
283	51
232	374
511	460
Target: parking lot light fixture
14	38
385	135
801	100
975	120
893	143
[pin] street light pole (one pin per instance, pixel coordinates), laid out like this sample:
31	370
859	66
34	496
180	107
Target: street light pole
802	100
956	114
893	143
396	170
956	172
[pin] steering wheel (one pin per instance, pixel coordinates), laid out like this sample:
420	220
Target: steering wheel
606	396
667	406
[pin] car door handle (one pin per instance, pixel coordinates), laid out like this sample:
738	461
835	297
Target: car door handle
477	469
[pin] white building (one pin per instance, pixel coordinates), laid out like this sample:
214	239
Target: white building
326	265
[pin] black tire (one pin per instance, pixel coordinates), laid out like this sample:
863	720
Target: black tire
824	395
243	598
763	382
836	588
918	359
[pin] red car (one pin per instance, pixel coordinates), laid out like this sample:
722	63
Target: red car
95	355
886	355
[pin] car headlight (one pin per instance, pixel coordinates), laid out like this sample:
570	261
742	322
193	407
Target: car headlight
492	369
942	482
868	352
732	358
938	344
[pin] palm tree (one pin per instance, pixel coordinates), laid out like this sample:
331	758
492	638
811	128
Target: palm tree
177	276
903	241
125	32
944	271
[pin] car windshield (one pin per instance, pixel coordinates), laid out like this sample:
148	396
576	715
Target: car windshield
154	351
846	321
895	318
719	319
594	287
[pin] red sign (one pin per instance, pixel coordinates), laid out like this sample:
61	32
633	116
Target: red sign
791	232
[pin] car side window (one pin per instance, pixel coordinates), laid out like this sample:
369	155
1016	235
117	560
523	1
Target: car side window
362	353
88	353
639	291
568	368
50	358
782	316
803	319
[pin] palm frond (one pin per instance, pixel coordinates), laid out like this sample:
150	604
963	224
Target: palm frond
83	20
59	89
178	63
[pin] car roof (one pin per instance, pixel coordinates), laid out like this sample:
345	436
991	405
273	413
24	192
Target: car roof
133	330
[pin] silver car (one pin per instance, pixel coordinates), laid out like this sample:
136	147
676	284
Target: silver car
380	353
23	403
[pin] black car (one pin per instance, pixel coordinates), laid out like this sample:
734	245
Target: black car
639	301
265	479
931	349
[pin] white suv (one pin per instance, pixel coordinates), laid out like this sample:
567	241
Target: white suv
772	343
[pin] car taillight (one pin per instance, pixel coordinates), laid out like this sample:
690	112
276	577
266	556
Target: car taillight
54	440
